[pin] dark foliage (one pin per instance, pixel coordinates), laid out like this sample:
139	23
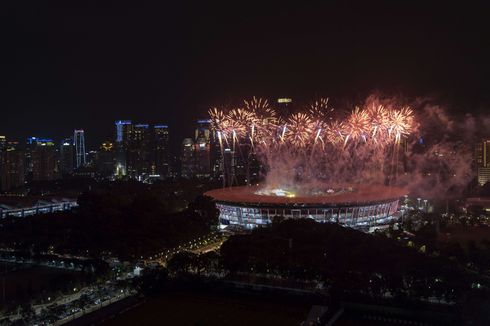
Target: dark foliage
128	220
349	262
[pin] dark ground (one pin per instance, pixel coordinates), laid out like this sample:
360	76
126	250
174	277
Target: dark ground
187	307
23	282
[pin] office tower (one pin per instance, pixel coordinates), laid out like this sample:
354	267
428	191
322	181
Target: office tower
482	160
203	130
228	167
161	155
216	157
43	157
67	155
139	153
202	158
187	158
12	176
105	160
91	159
79	139
202	149
123	130
3	142
30	144
284	105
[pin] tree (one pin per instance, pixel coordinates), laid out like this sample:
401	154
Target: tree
205	207
183	262
209	262
26	311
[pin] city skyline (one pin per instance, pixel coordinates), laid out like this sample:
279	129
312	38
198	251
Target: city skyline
272	163
115	65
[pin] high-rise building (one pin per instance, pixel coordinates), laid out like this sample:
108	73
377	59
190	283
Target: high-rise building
202	149
12	176
284	105
79	139
139	152
91	159
66	156
482	160
187	159
30	144
123	131
203	130
3	142
105	160
202	158
216	156
43	156
161	155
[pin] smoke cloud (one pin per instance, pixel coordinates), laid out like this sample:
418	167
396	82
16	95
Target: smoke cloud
423	149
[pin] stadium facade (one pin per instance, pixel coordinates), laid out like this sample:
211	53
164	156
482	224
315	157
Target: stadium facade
362	207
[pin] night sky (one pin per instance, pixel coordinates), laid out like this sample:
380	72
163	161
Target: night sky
84	67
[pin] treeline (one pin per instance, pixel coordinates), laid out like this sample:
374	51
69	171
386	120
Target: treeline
348	262
125	221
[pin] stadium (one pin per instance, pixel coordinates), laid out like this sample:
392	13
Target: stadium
360	207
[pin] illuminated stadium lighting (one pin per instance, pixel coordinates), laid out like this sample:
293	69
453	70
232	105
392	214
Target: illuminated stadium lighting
363	207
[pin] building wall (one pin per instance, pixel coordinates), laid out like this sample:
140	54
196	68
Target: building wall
365	216
482	161
161	153
67	156
11	170
80	155
105	160
122	136
44	166
139	151
187	159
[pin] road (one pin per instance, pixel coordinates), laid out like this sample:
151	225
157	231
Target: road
200	245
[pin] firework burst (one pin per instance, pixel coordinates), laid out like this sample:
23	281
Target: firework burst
358	126
401	122
379	121
311	142
299	130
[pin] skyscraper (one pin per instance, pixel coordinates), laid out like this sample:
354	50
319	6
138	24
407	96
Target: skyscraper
138	153
203	130
161	155
12	176
3	142
66	156
105	160
141	151
216	157
79	139
43	156
123	130
202	149
284	105
30	145
187	158
482	160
